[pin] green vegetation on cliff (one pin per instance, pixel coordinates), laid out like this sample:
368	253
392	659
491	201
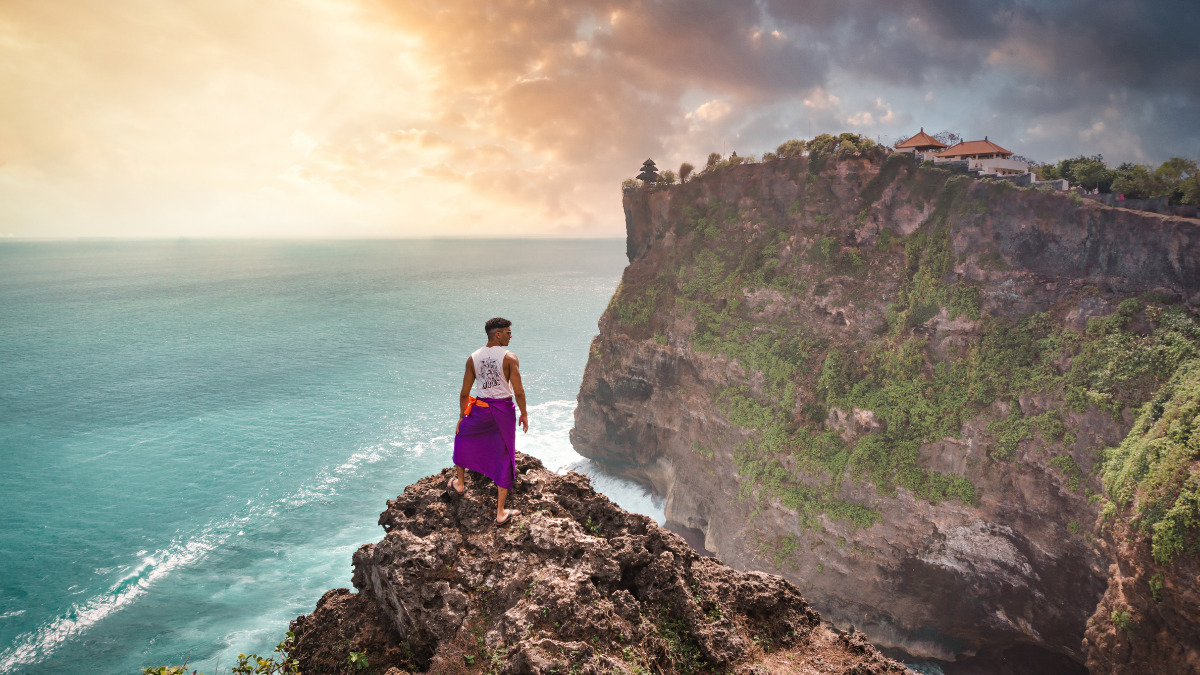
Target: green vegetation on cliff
1153	477
769	275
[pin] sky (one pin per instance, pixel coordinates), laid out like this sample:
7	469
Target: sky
511	118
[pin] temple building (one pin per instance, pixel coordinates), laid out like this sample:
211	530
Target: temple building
985	156
921	144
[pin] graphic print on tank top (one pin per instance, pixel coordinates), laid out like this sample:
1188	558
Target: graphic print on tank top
490	374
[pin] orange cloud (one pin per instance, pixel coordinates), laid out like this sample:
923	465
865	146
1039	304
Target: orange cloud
227	118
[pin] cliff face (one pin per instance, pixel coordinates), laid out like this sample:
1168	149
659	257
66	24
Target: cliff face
890	385
1150	614
573	585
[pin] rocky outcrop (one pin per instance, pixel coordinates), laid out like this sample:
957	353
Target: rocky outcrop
753	368
1149	618
574	584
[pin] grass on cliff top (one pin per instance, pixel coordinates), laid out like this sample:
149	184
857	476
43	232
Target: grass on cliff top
798	372
1154	475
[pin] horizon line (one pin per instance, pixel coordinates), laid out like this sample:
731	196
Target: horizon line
98	239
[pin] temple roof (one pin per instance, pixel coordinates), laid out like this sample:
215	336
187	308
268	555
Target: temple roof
921	140
968	148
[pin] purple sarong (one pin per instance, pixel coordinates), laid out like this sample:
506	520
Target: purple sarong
487	441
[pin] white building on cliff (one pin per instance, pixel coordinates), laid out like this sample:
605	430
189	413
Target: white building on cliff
985	157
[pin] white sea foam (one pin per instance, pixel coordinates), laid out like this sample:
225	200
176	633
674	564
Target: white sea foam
11	614
34	646
550	441
549	437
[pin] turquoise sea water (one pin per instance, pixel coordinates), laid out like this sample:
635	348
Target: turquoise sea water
195	436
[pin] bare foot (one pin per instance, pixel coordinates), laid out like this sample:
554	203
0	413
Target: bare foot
453	484
509	514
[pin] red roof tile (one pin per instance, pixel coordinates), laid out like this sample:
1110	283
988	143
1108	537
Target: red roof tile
968	148
921	140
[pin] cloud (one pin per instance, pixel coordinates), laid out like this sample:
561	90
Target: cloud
821	99
421	138
880	113
712	111
407	112
303	142
442	172
1096	129
863	118
485	155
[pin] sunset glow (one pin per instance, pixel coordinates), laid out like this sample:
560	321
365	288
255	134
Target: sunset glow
365	118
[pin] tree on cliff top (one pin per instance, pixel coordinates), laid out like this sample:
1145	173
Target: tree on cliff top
1091	173
947	137
685	172
1177	179
1134	181
792	148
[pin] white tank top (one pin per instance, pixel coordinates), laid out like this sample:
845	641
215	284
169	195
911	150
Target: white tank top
489	373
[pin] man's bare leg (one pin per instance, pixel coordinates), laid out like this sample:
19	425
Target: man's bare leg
460	484
503	514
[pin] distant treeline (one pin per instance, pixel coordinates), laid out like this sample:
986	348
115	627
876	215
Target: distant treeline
1177	179
821	147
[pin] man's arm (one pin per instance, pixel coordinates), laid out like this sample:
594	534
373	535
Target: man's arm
465	392
513	366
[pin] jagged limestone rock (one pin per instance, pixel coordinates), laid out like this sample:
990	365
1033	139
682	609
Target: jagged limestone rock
574	584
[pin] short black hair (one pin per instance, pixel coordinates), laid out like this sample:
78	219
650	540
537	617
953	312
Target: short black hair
495	324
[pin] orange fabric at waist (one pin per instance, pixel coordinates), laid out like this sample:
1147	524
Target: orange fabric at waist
482	403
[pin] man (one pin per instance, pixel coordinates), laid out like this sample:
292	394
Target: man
486	435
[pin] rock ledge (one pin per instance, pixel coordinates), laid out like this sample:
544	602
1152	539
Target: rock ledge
574	585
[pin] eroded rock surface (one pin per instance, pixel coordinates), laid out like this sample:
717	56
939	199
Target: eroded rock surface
575	584
760	268
1148	621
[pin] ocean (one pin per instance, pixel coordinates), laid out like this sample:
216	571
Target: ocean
196	435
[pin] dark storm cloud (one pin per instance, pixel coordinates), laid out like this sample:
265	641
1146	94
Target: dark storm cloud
902	41
1137	44
719	45
1095	69
589	86
1018	58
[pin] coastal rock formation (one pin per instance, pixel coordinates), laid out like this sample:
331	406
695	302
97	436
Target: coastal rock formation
891	385
1149	618
573	585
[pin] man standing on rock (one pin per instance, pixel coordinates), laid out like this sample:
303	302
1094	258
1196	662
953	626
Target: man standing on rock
486	436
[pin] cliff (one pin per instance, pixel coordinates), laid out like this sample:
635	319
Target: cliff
574	585
893	386
1149	616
